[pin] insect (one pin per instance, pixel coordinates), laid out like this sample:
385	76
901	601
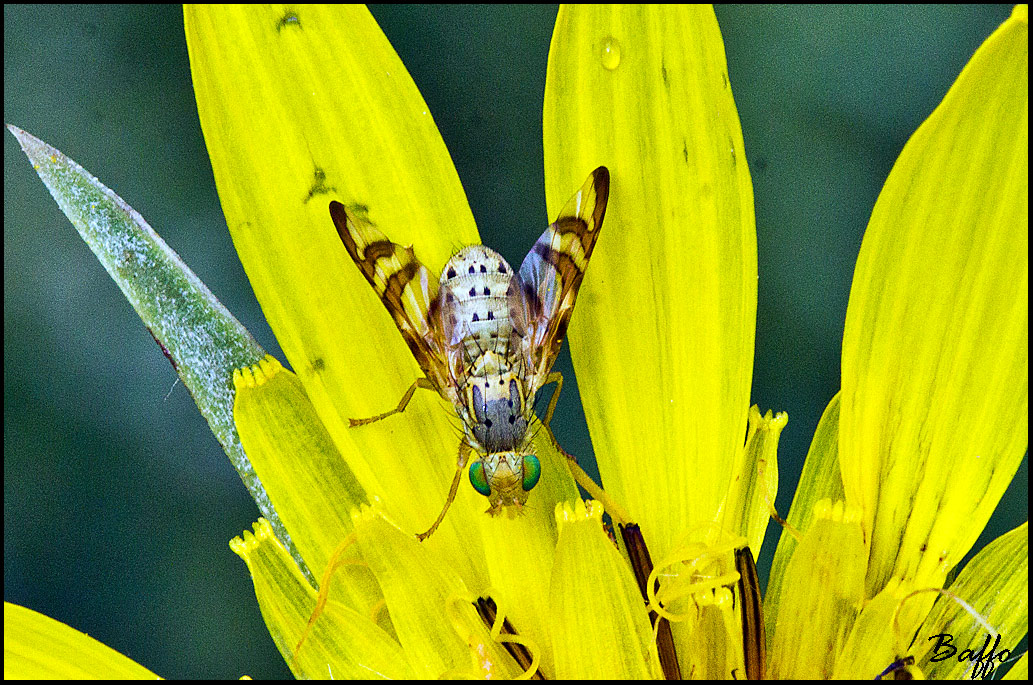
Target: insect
485	336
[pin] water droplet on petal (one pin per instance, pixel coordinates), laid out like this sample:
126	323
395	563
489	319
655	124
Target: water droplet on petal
610	53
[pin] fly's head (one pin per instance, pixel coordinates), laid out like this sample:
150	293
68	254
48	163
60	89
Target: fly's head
495	413
505	478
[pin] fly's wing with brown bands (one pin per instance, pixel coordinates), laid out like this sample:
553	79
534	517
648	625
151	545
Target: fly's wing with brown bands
406	287
543	293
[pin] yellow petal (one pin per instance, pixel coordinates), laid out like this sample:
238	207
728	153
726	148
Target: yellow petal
662	335
311	487
600	627
751	497
820	480
37	647
342	643
821	593
871	644
935	398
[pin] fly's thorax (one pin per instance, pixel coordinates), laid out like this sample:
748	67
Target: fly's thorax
474	290
496	409
505	478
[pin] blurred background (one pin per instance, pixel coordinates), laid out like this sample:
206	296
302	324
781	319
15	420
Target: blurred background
118	502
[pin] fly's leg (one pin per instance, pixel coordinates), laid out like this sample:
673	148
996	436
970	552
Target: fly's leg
615	511
464	453
419	383
580	477
557	378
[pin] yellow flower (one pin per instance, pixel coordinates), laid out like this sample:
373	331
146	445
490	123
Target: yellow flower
301	106
663	339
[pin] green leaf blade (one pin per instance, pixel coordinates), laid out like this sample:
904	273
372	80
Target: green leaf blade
198	335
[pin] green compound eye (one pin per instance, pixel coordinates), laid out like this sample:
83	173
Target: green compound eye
532	471
479	480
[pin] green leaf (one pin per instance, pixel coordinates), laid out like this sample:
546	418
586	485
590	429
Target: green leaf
201	339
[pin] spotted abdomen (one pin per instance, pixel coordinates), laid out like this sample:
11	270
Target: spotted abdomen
475	304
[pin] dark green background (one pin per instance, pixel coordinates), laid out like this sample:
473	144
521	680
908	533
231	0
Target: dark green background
118	502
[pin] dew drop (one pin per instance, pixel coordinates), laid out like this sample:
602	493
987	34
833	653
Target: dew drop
610	53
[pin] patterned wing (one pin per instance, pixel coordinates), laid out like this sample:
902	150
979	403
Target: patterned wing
542	294
405	286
